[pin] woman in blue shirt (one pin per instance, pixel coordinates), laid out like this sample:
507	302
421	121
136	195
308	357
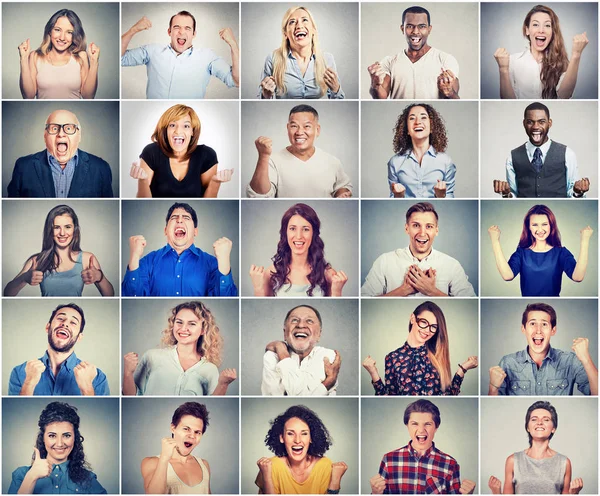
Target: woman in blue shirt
420	168
58	460
540	257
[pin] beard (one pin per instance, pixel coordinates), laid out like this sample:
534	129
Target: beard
68	346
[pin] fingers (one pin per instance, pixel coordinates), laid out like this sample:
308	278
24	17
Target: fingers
368	362
256	270
223	176
398	190
502	58
137	171
501	187
268	84
264	145
439	189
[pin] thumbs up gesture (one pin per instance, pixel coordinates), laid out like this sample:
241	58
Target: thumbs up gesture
40	467
92	274
33	276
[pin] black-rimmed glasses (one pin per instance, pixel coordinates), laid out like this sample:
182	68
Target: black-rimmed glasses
52	128
424	324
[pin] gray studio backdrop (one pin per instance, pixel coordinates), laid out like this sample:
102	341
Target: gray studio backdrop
219	123
216	219
261	220
144	320
503	433
99	425
147	420
501	330
385	329
378	123
99	122
571	216
339	415
383	430
262	322
505	120
502	26
339	133
99	344
383	224
337	24
23	227
210	19
101	25
455	31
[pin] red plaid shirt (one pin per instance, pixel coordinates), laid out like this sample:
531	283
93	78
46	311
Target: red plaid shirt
405	472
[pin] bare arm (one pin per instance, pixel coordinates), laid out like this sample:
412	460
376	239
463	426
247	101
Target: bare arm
89	71
567	86
509	470
567	479
381	91
582	261
27	275
28	77
503	59
154	473
213	178
501	263
141	25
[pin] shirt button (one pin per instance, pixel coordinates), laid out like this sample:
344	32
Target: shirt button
178	261
177	292
56	487
133	278
539	383
178	275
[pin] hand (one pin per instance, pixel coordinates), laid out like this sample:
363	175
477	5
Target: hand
377	74
257	274
445	83
222	248
582	186
85	373
580	41
24	50
439	189
586	233
581	349
494	232
33	372
137	244
92	274
344	194
332	369
503	58
277	347
264	465
93	52
130	363
227	376
369	364
227	36
137	171
268	87
338	279
470	363
40	467
33	276
143	24
222	176
338	469
422	282
495	485
377	484
398	190
467	487
331	80
497	376
264	146
168	445
501	187
576	486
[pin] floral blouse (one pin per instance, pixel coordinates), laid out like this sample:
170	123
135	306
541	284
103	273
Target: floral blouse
408	371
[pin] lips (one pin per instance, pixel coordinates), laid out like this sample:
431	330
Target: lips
300	335
178	140
300	35
62	147
297	450
184	334
62	333
180	232
540	41
538	341
422	241
421	438
181	41
536	136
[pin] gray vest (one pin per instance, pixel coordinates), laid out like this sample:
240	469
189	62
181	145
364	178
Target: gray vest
550	182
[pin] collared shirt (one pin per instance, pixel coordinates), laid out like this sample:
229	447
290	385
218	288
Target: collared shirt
160	373
58	482
570	161
525	75
420	178
388	271
178	76
405	472
165	273
63	384
62	177
557	376
298	85
292	377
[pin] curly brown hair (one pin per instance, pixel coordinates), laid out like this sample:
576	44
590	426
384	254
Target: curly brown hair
437	138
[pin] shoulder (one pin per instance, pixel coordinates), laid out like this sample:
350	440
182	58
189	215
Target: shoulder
97	161
446	258
443	55
449	460
324	464
20	472
394	455
510	461
152	149
511	358
202	151
34	157
149	463
326	157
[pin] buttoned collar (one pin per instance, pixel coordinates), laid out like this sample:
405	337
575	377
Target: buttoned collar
524	357
169	250
186	53
530	147
415	259
291	55
416	454
70	363
61	467
52	161
430	151
420	350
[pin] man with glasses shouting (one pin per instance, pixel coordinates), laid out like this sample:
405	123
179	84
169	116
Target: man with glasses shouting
62	170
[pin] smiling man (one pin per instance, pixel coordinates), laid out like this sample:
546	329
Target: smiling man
541	168
420	71
418	269
179	70
59	372
297	366
419	467
541	370
62	170
300	170
180	268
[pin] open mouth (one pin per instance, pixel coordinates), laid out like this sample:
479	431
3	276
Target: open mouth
62	239
424	335
184	334
421	438
415	40
178	140
299	141
180	233
422	241
300	35
62	147
300	335
541	234
418	129
540	41
297	450
62	333
181	41
536	136
299	244
187	444
538	341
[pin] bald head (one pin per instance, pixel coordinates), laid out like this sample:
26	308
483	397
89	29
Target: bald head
61	145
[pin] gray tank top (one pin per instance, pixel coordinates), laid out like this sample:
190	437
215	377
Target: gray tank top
68	283
545	476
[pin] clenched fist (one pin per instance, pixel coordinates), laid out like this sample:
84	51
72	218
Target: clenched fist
503	58
93	52
85	373
268	87
143	24
24	50
582	186
495	485
494	232
377	484
227	36
398	190
222	176
580	41
439	189
497	376
130	363
137	244
377	74
467	487
33	372
501	187
338	279
264	146
222	248
137	171
227	376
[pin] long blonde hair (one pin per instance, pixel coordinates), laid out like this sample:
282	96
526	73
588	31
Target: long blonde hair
280	55
210	344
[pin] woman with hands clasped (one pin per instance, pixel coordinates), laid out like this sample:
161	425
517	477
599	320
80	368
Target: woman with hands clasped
299	440
298	68
540	257
61	268
538	469
421	366
60	68
543	70
299	266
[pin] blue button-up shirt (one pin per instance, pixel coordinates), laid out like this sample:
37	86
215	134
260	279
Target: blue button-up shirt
58	482
300	85
178	76
62	177
419	179
557	376
63	384
164	273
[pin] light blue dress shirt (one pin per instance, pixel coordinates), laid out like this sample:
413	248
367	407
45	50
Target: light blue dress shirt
419	179
298	85
570	162
178	76
62	178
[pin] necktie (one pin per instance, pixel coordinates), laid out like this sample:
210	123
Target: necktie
537	160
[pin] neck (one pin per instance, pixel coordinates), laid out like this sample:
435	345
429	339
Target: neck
421	452
179	458
412	342
417	54
420	147
303	53
538	358
57	358
180	249
299	464
538	56
179	156
303	155
540	245
420	256
539	448
299	261
188	350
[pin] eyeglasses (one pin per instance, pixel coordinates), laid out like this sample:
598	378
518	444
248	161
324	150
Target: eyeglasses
424	324
52	128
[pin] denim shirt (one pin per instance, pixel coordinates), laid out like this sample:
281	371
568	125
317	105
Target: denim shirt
557	376
58	482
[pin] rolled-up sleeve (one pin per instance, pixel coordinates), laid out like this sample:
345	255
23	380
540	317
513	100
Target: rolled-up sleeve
450	179
267	71
273	179
459	284
220	69
135	56
330	63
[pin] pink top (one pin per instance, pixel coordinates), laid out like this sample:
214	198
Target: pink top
58	82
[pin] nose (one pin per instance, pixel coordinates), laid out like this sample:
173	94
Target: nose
422	230
297	438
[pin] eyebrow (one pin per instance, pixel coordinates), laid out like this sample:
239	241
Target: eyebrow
65	314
